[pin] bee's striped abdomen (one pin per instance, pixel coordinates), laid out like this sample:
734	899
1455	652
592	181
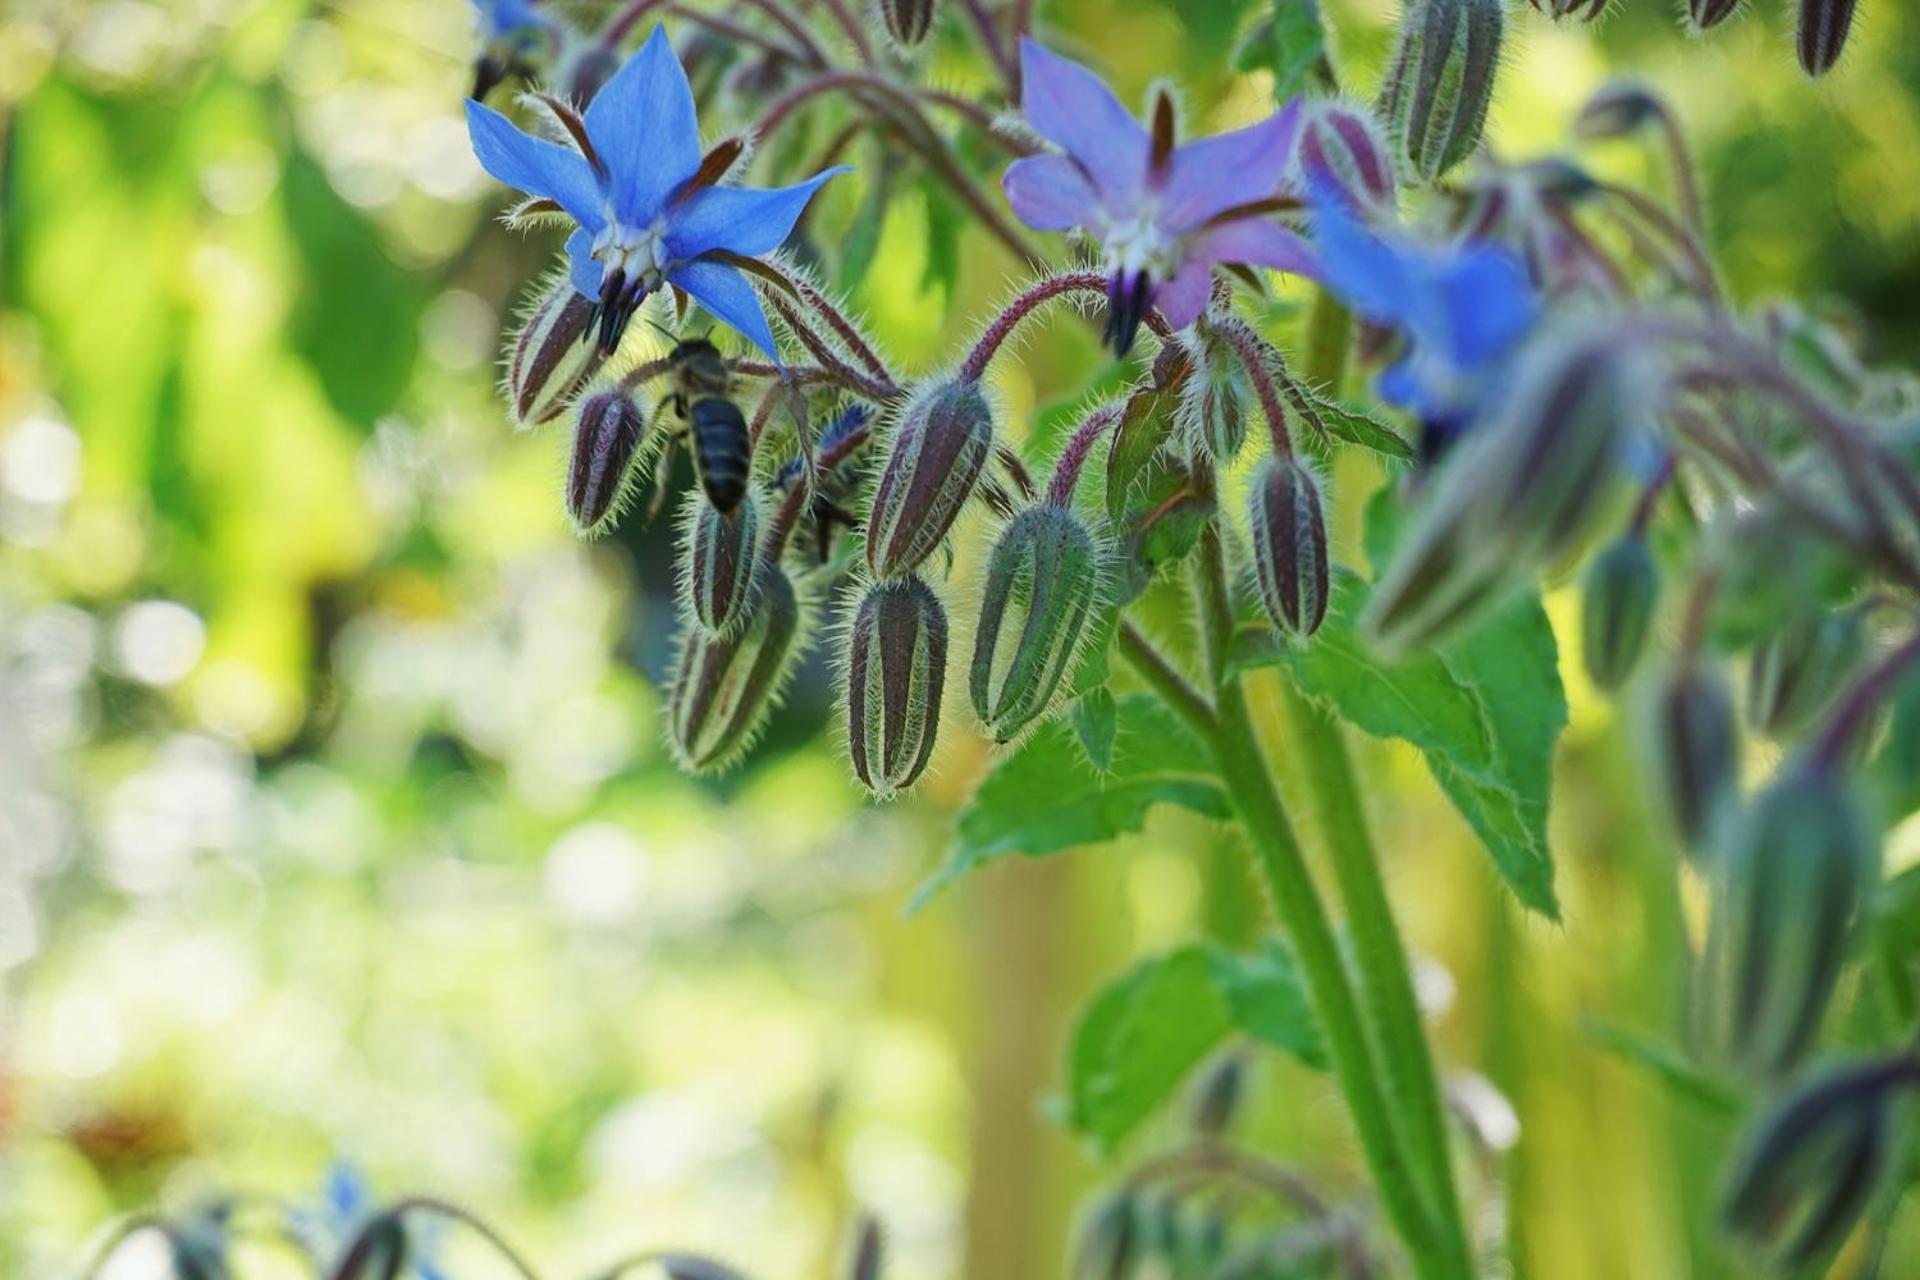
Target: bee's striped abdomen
720	451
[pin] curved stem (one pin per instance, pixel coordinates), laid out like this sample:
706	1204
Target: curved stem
473	1222
1073	458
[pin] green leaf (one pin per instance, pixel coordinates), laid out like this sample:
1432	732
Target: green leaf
1292	45
944	221
1047	796
1484	711
1094	720
1670	1066
1355	426
1148	1029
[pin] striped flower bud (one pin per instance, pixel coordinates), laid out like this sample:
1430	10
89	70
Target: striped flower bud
1797	669
1824	25
1695	750
550	361
719	563
934	459
1043	584
1341	146
896	675
1436	93
1790	879
606	436
908	21
1702	14
1213	402
1616	610
1809	1169
1577	10
1289	545
723	687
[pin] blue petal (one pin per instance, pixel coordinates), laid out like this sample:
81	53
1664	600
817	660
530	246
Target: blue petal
1375	279
728	298
740	219
534	165
1489	305
582	269
346	1192
1212	175
643	124
1049	193
1072	108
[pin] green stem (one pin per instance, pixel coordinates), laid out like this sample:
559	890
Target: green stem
1297	904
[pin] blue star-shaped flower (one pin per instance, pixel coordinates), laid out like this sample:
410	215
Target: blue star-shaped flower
1166	214
1463	309
649	209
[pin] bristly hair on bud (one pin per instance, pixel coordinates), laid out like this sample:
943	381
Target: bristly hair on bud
1289	534
1343	149
1440	82
607	433
724	687
1616	610
908	21
1822	33
1043	586
1213	397
719	562
1695	751
549	363
896	677
1815	1161
938	447
1790	881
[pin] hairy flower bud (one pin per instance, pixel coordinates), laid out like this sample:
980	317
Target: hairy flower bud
1042	585
908	21
1617	610
723	687
934	459
1812	1165
1822	34
550	361
1619	108
379	1252
606	436
1702	14
1217	1098
1289	545
1342	147
1436	93
1213	402
1797	669
1695	749
719	567
1790	879
1578	10
896	675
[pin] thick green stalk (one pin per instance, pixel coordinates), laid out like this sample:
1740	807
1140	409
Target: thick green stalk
1385	977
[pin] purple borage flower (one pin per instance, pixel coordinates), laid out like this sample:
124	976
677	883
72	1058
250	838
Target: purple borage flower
1463	310
649	209
1167	214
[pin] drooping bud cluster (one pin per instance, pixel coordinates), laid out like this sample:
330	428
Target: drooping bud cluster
1616	613
1440	83
720	561
939	447
1289	536
551	362
1343	149
896	678
724	686
607	433
1042	585
1790	880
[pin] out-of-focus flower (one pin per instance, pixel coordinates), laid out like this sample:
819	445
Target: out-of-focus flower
1166	214
1463	310
514	37
649	206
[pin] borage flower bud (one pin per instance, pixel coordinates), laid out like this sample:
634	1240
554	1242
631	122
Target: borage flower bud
908	21
1702	14
1578	10
606	436
939	446
1695	749
1436	93
551	360
723	687
1213	402
719	566
378	1253
1110	1242
1797	669
1289	545
1824	25
1043	583
1618	109
1216	1100
1616	610
1814	1163
896	675
1342	149
1790	880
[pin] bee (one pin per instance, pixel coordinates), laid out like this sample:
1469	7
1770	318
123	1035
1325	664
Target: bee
711	423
